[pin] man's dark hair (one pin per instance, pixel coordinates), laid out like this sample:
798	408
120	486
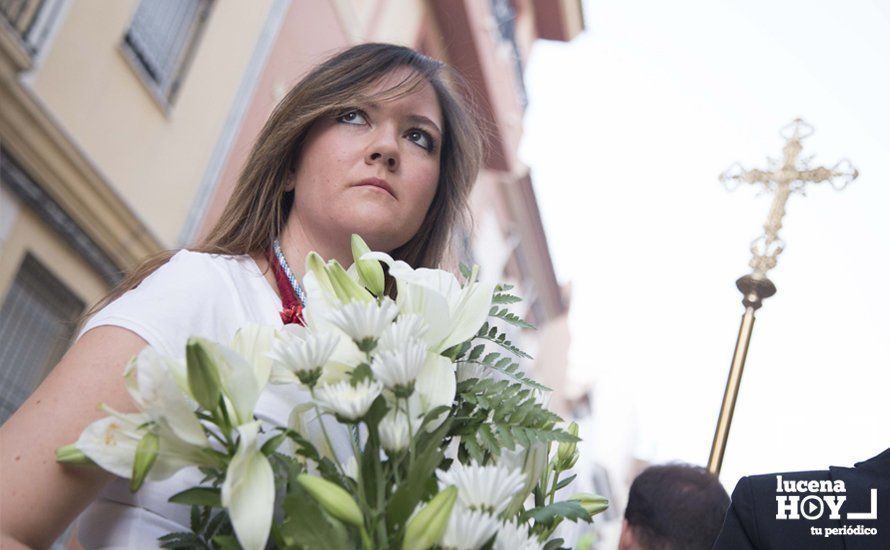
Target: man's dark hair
676	507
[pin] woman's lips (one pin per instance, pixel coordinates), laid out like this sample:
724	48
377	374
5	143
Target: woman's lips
378	183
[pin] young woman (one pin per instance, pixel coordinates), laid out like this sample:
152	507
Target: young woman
378	141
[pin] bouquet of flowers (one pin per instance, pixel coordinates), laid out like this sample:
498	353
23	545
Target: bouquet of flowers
451	444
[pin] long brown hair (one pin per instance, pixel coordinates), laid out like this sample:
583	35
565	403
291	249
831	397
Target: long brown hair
258	208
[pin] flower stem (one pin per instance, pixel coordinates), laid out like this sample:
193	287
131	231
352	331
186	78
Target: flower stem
366	540
553	487
410	434
324	431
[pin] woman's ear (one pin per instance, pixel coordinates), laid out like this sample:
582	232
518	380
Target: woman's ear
291	183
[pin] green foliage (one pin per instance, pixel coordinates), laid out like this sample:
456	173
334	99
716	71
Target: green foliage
416	484
491	333
506	367
565	482
505	298
198	496
308	526
494	414
210	531
512	318
566	509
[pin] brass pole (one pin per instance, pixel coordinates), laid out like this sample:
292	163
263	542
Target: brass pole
755	288
782	179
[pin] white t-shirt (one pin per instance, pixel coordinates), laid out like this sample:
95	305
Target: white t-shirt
194	294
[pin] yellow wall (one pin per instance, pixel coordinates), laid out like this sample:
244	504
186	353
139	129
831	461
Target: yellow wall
154	160
30	234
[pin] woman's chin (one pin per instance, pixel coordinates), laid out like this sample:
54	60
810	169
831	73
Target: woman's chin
377	228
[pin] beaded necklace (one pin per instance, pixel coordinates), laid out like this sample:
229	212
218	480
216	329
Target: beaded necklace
293	297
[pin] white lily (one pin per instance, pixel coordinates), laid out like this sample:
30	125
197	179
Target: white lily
435	386
253	342
531	461
466	371
351	468
241	381
487	488
111	443
153	387
348	401
453	314
248	491
468	530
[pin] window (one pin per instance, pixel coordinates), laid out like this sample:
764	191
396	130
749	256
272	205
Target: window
36	327
161	40
29	20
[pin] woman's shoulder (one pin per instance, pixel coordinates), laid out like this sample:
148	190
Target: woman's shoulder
206	269
194	293
198	260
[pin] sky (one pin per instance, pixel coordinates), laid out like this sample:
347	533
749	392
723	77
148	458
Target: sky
627	130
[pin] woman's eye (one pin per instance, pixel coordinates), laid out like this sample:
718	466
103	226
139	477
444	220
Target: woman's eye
352	117
421	138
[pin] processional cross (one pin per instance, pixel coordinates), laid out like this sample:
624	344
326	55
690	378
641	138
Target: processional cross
790	175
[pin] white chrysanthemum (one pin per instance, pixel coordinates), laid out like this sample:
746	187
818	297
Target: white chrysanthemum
348	401
303	354
406	327
362	321
513	535
468	530
394	431
399	366
488	488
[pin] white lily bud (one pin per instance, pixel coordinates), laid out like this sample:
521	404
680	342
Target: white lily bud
370	270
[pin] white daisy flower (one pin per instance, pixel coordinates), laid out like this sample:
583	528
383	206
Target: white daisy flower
406	327
398	367
303	357
364	321
513	535
348	401
487	488
468	530
394	432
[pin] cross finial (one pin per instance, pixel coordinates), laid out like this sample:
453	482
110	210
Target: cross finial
791	174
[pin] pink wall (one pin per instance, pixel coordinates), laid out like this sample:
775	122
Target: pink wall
310	32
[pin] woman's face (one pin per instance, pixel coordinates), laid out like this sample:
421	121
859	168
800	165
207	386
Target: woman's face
396	141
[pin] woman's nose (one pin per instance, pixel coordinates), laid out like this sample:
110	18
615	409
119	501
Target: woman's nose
383	149
389	159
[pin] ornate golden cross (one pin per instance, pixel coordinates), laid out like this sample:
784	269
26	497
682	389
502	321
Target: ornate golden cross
782	179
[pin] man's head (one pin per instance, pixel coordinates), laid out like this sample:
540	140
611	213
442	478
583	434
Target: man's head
673	507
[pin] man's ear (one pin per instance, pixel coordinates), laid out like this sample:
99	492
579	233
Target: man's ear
627	541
